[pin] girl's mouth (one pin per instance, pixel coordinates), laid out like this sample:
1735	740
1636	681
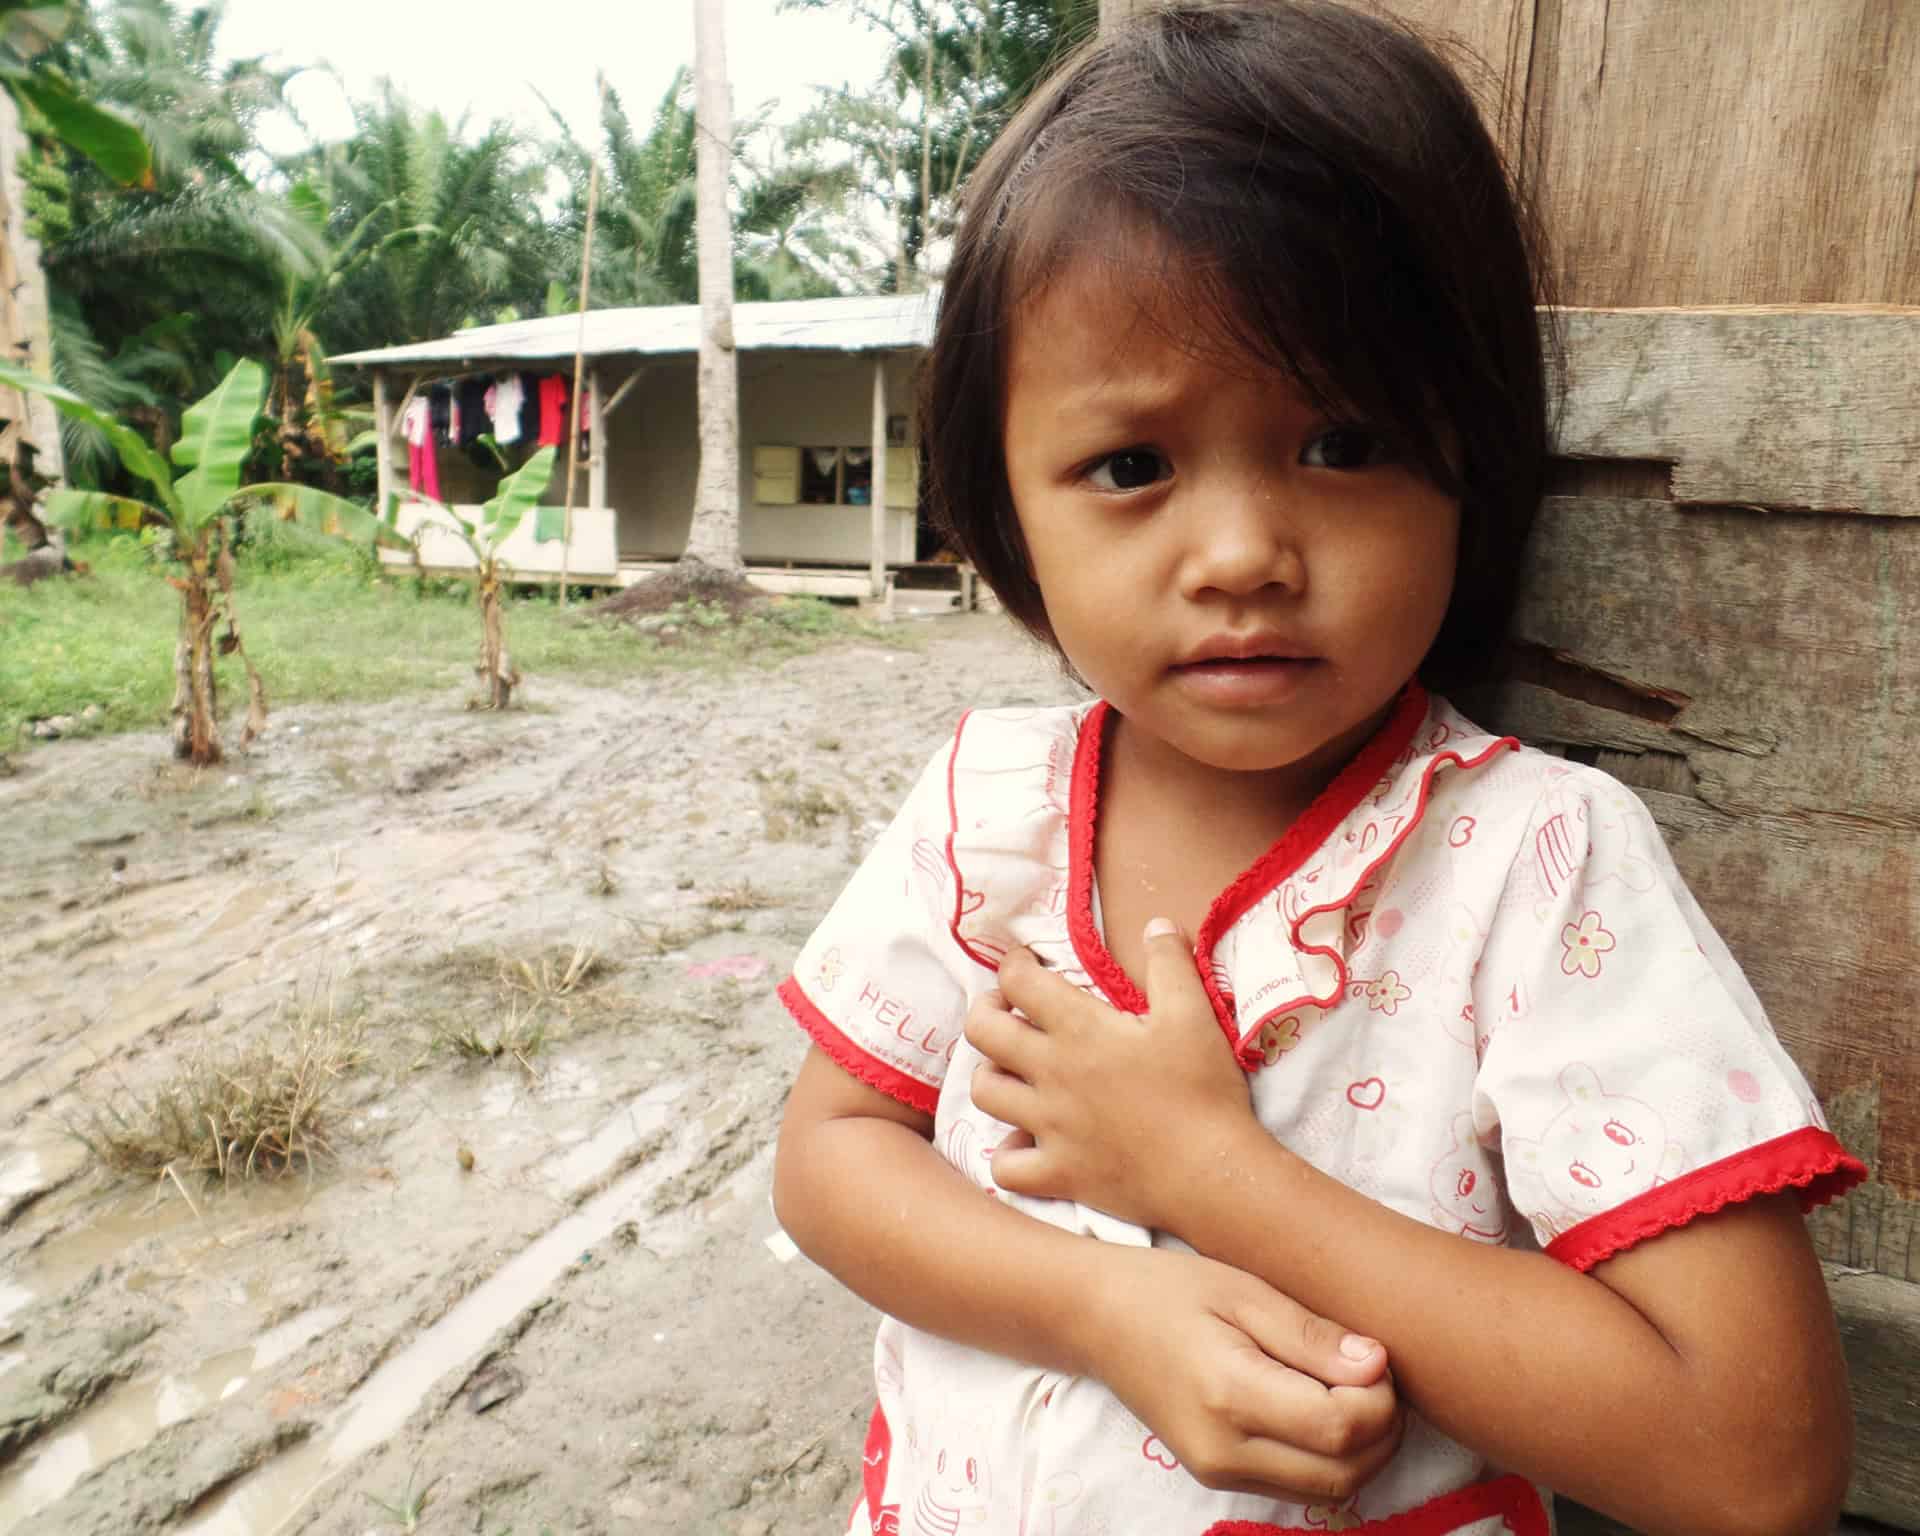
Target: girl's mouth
1244	681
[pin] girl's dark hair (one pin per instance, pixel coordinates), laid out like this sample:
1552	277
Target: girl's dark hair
1327	202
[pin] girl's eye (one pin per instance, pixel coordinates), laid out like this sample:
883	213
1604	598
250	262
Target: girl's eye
1345	448
973	1473
1464	1185
1620	1134
1580	1173
1128	470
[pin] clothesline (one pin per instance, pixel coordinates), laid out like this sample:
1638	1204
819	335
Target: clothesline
517	405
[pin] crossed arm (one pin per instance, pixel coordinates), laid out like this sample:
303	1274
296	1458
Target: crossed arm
1247	1388
1690	1385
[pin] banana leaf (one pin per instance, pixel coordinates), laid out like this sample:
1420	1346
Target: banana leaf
519	493
136	453
108	140
216	435
325	513
88	511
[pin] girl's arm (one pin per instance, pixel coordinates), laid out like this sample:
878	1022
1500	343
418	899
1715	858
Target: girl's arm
1691	1385
1225	1370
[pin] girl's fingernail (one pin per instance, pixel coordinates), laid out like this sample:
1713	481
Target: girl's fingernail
1356	1348
1160	927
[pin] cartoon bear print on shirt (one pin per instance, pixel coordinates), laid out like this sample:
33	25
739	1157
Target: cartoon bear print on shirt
1599	1150
1466	1191
956	1490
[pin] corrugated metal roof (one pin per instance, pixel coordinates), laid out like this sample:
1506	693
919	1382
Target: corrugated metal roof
838	325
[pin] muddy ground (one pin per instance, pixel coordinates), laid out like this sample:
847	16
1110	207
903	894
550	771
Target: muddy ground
542	1291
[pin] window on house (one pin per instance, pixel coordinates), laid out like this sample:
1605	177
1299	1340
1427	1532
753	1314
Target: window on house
856	488
820	476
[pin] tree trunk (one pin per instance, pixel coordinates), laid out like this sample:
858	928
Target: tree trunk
1113	12
30	438
196	730
497	677
713	540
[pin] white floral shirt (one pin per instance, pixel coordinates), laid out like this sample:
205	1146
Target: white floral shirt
1468	983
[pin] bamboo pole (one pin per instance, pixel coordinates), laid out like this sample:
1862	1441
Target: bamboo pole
580	344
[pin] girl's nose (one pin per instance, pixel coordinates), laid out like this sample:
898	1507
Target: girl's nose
1241	541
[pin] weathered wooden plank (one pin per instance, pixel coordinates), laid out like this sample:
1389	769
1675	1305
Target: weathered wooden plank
1728	151
1880	1332
1804	408
1490	44
1758	678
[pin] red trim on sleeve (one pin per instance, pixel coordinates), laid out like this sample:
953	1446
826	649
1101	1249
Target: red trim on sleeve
853	1058
1511	1498
1808	1160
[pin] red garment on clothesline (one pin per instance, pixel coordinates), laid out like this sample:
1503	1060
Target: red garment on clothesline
553	410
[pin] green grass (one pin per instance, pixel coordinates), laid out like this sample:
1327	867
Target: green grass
323	624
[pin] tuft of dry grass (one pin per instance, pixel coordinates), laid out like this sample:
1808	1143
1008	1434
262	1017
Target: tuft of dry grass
744	897
540	995
260	1108
550	979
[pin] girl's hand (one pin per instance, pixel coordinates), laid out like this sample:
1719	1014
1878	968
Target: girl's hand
1230	1376
1107	1106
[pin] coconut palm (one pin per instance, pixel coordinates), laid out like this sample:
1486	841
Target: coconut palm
713	539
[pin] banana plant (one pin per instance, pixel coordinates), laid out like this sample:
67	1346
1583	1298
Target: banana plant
519	494
197	500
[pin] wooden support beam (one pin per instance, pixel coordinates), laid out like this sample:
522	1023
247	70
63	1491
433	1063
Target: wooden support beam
597	455
383	431
620	394
877	496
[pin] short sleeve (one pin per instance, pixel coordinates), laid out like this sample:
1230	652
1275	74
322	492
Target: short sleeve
1628	1069
879	986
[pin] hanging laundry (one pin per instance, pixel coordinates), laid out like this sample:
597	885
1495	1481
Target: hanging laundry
470	398
440	410
504	399
423	465
529	407
553	410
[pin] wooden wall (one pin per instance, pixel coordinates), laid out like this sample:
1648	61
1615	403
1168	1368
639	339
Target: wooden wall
1723	605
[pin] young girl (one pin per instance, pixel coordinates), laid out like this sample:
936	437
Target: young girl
1237	400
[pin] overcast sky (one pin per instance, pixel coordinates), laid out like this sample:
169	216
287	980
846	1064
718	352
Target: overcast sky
486	58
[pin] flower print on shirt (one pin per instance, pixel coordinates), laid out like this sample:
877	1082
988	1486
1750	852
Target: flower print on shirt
1585	942
1275	1037
1384	994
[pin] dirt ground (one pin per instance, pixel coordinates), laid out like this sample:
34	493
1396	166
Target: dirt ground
542	1291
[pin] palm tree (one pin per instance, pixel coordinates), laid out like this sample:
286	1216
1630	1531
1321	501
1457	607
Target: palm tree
472	243
713	539
958	70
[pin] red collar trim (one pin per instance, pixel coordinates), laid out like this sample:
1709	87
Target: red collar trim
1296	845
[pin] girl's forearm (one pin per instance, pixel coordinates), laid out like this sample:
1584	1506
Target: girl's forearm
870	1201
1547	1371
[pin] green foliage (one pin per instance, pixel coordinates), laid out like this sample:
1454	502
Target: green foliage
326	630
959	69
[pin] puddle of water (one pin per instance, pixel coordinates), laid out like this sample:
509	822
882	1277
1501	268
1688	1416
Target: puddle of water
60	1261
263	1502
622	1131
129	1416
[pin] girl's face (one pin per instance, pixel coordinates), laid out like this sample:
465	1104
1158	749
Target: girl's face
1249	582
